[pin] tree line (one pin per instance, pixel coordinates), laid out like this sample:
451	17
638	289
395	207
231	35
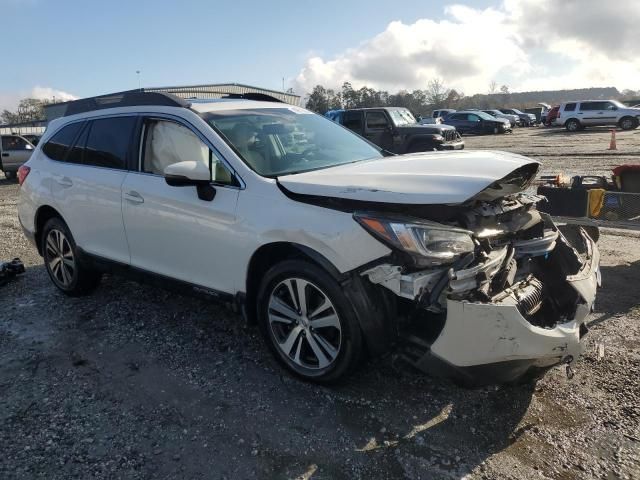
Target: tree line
436	95
29	110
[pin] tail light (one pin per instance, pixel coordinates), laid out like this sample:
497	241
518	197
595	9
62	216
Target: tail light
23	171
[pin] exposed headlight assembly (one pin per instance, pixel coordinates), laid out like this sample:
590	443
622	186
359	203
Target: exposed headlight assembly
437	244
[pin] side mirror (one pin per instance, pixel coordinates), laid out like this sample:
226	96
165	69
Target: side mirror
191	173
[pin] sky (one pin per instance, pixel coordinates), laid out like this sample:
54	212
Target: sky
70	49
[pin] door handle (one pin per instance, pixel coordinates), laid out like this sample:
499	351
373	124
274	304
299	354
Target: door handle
64	181
5	154
133	197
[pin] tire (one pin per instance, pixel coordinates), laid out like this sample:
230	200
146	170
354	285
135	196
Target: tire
336	347
10	175
572	125
420	146
628	123
62	262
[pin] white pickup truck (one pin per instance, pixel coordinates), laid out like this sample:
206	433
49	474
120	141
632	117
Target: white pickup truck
14	151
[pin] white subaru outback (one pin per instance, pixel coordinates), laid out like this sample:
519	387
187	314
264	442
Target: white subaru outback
335	248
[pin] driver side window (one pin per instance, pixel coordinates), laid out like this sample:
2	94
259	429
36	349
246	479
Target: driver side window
166	142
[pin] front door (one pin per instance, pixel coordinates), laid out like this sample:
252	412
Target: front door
172	232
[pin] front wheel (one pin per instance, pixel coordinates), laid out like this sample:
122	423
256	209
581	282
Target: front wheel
10	175
308	323
62	263
628	123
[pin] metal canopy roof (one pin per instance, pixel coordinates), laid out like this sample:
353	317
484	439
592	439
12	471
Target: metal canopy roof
212	91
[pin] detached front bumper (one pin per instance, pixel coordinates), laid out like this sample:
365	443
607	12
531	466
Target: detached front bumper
493	343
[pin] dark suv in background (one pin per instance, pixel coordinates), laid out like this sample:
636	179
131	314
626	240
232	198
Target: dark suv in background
396	130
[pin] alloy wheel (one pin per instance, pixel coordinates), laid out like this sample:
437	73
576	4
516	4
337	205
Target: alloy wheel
627	124
304	324
60	259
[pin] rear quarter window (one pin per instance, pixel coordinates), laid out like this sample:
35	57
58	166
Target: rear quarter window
569	107
58	146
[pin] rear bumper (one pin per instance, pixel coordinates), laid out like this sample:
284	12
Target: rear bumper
484	343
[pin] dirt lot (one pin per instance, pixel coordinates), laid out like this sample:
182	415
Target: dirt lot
136	382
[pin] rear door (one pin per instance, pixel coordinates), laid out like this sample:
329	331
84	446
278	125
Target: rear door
15	151
378	129
172	232
87	185
591	113
352	119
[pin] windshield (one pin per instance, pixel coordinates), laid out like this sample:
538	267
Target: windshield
401	117
618	104
282	141
515	110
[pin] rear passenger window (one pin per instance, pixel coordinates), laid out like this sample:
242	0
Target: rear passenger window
352	120
57	147
569	107
108	142
588	106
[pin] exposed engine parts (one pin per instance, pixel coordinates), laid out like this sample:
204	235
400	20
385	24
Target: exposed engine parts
514	263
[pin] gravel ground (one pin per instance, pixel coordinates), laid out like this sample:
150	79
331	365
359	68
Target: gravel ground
136	382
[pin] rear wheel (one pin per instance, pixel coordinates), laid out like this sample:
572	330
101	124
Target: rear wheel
307	321
62	263
572	125
628	123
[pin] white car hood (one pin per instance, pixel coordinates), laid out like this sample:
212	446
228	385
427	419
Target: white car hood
421	178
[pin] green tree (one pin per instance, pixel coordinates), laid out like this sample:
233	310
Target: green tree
29	110
318	100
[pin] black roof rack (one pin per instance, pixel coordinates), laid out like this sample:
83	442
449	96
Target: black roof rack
129	98
260	97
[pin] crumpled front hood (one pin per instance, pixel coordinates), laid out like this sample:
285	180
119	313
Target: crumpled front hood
419	179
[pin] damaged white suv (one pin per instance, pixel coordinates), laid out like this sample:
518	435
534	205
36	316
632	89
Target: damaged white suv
334	247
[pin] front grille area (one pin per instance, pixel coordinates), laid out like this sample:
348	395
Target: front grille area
449	135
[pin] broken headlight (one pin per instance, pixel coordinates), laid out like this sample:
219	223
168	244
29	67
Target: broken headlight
432	241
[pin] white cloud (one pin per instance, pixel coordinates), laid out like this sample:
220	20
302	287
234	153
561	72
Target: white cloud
9	99
44	93
527	44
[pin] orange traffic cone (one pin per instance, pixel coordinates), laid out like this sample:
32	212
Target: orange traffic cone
612	145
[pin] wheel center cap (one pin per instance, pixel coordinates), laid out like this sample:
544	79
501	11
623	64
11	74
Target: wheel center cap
304	321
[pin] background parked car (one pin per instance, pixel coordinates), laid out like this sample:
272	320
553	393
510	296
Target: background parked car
14	151
33	138
513	119
527	119
579	115
395	129
443	112
429	120
476	121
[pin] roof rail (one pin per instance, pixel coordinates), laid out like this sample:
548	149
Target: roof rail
260	97
129	98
